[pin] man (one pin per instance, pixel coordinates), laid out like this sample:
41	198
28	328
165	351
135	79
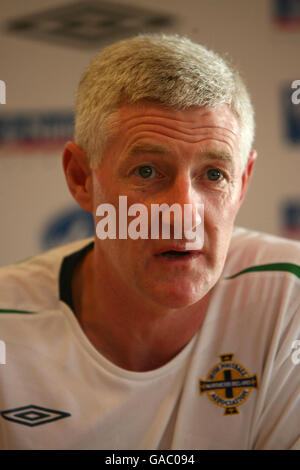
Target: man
125	342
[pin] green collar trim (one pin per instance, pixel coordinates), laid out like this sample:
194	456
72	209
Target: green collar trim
288	267
14	311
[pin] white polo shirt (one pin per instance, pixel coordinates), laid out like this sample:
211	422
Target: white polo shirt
234	386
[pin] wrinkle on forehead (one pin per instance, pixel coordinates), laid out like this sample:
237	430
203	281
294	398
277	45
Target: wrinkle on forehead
131	116
137	136
199	134
196	125
130	148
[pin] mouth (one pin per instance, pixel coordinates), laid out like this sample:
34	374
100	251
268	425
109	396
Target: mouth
178	255
175	254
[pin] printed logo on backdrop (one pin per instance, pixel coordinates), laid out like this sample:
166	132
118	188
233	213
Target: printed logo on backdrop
23	133
290	219
67	226
286	14
290	99
89	23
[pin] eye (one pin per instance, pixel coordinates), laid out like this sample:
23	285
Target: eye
146	171
214	174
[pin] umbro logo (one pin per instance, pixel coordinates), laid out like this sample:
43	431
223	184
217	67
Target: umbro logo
32	415
89	23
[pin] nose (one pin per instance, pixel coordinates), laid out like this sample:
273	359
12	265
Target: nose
181	210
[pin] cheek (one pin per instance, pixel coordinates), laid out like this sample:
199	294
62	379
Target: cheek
220	212
103	192
218	225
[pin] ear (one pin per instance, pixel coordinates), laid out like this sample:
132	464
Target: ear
78	175
247	173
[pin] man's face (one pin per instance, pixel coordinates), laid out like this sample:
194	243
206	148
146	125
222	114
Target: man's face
158	155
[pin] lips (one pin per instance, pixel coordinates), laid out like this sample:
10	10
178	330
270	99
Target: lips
174	254
177	252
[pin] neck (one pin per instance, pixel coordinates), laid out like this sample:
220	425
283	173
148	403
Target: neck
133	334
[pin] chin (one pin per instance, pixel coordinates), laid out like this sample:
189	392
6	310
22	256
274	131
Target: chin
178	297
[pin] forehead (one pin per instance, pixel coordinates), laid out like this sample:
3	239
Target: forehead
132	124
130	114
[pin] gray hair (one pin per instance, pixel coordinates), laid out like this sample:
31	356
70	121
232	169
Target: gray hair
168	69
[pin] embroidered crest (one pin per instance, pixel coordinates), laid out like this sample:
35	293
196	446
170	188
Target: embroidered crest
228	384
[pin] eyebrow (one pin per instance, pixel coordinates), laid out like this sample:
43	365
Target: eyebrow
144	147
225	156
158	149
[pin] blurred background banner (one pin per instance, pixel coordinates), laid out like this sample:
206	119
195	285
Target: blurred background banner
32	132
89	23
287	14
45	47
290	219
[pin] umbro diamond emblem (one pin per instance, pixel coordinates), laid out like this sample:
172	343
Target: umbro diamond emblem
32	415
